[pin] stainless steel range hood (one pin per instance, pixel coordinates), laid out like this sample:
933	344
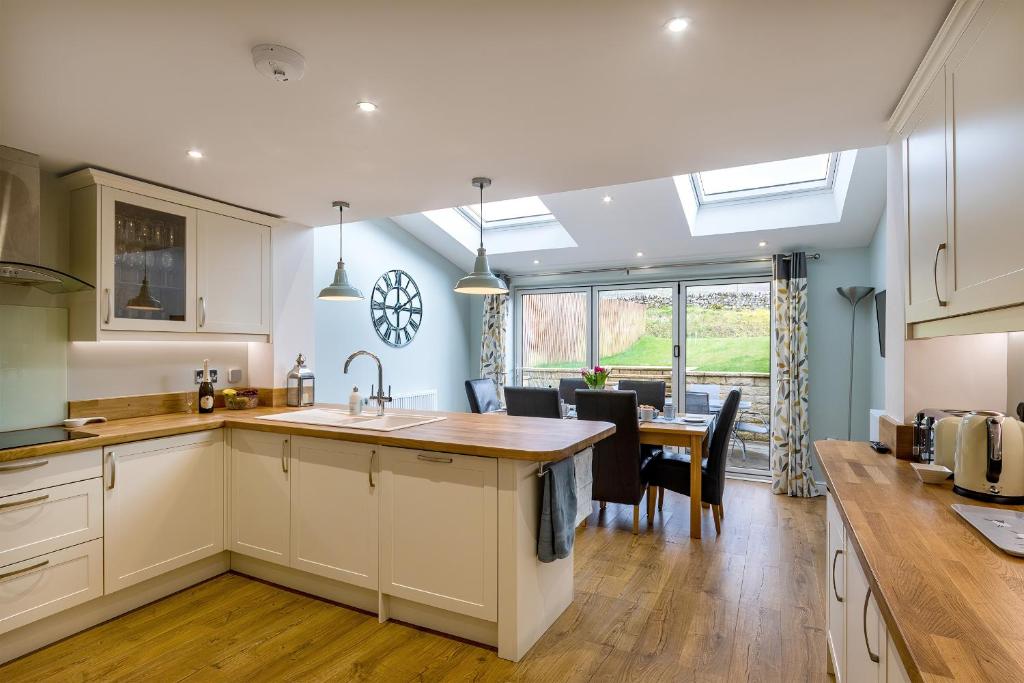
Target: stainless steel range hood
19	227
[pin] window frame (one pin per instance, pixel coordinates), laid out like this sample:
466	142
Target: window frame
767	192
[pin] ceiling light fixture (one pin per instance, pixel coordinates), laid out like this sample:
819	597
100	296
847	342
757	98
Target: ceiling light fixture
482	280
340	289
536	262
639	253
607	199
368	107
195	154
762	244
677	24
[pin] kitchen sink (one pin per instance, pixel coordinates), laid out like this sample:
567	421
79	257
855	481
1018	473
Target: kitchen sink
329	417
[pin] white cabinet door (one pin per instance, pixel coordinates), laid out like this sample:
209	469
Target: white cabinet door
865	632
835	580
334	494
895	672
163	506
259	494
925	183
233	271
985	74
147	246
39	522
439	530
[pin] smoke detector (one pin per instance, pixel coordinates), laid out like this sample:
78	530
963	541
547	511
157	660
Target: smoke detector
278	62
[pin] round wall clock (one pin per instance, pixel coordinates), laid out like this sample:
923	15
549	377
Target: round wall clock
396	308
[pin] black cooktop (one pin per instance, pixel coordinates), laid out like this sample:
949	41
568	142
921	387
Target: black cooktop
39	435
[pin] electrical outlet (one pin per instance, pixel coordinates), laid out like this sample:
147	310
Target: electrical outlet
199	376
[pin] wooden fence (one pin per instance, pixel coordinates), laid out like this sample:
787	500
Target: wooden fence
554	327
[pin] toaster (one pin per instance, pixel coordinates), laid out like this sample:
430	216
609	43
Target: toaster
925	427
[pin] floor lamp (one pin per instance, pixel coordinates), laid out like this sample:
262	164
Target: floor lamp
854	296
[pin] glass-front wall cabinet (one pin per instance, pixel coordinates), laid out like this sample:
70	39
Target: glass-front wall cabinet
149	263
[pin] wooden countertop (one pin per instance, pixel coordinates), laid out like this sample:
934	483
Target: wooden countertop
953	602
494	436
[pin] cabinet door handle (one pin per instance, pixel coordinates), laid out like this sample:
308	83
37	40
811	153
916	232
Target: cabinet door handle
202	311
935	273
4	506
23	570
113	471
110	305
25	466
373	455
434	458
284	456
835	557
864	622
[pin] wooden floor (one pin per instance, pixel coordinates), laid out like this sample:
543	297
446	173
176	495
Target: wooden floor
748	605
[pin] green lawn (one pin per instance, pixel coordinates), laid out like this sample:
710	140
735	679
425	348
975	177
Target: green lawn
707	354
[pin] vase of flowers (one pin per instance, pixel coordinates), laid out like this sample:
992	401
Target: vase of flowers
595	377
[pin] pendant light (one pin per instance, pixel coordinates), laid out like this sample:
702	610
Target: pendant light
144	300
482	280
340	289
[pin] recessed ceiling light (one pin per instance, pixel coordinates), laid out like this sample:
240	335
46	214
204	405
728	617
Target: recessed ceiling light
607	199
639	253
762	244
195	154
366	106
677	24
536	262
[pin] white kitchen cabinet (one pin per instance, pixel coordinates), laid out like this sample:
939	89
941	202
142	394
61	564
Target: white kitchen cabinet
334	501
925	194
167	265
233	275
895	672
163	506
865	633
259	495
985	77
39	522
32	474
835	581
438	527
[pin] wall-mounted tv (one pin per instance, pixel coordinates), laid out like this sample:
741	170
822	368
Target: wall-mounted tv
880	315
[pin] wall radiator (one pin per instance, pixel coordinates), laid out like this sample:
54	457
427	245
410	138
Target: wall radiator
417	400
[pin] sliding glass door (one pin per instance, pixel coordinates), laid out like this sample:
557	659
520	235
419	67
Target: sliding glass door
552	336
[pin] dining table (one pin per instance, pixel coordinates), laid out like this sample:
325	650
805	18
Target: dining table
661	432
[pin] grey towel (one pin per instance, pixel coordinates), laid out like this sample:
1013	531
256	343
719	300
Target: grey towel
558	512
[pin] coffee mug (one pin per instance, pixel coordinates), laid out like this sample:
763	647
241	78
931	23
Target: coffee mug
647	414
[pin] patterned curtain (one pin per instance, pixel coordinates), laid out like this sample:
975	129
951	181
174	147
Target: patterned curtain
791	439
492	340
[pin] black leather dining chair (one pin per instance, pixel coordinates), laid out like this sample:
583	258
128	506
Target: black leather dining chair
698	403
482	395
648	392
532	402
567	387
672	471
619	465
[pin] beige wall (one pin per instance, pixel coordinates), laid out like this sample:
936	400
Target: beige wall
956	372
1014	371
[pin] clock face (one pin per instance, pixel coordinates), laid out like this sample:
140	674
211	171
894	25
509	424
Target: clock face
396	308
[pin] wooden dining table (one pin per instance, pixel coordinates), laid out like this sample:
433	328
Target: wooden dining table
682	435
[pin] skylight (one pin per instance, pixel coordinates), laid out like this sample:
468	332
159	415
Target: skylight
769	179
509	213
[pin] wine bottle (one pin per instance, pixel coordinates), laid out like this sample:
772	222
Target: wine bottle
206	390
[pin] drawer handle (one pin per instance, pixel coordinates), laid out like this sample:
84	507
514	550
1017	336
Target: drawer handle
284	456
835	557
435	458
5	506
113	470
26	466
864	622
935	273
23	570
373	454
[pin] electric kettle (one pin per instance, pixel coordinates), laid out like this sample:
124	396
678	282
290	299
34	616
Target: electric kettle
989	459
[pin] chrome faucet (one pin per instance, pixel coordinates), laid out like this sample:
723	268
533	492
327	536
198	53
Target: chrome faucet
379	397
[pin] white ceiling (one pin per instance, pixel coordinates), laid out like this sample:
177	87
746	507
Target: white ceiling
542	96
646	216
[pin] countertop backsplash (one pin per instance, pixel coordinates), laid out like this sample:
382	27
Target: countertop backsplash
33	366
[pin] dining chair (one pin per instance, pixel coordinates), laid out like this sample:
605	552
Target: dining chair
672	471
482	395
697	402
567	387
532	402
648	392
619	465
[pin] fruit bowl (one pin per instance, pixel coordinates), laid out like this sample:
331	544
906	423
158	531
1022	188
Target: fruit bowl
241	399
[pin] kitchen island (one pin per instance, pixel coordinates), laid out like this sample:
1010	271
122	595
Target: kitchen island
924	596
434	525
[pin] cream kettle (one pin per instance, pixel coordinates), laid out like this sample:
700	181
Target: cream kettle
989	459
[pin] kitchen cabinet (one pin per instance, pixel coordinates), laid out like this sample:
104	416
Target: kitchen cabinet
835	582
233	275
334	500
259	496
439	530
37	522
865	634
163	506
166	264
